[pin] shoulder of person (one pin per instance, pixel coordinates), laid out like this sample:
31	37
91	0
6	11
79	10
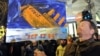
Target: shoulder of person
40	46
28	47
96	43
96	48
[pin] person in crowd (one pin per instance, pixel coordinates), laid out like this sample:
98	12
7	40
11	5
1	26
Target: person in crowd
31	48
16	49
52	47
61	48
86	44
3	49
69	39
46	47
37	52
78	17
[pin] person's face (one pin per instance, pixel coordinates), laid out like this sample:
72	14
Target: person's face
34	43
69	40
78	17
84	29
63	42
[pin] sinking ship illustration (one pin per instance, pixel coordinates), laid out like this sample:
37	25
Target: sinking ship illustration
37	19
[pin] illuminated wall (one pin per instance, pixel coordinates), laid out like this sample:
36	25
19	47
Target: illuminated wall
98	23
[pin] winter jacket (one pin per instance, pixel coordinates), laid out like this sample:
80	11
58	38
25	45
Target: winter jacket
60	50
87	48
30	50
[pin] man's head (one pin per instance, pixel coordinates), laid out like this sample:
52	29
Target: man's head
63	42
69	39
34	43
78	17
86	29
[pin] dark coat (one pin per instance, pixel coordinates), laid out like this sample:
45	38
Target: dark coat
86	48
30	49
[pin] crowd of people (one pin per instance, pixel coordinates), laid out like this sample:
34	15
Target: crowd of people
32	48
86	44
